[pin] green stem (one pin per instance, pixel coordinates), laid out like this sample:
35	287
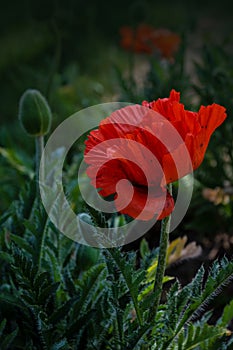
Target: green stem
42	244
39	150
160	271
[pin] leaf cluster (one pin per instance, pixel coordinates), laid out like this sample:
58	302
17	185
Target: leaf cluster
57	294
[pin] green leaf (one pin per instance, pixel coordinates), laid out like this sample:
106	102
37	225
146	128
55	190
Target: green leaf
22	243
55	266
86	287
41	279
8	340
132	280
80	324
61	312
2	326
6	257
62	344
31	226
144	248
12	157
197	296
227	315
4	217
196	336
47	293
10	299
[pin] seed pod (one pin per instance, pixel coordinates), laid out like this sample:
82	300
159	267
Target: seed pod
34	113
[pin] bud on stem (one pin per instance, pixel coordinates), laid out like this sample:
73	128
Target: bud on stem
34	113
35	117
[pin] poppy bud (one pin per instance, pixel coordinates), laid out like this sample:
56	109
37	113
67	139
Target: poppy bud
86	257
34	113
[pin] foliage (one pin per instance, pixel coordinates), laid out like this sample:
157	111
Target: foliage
51	300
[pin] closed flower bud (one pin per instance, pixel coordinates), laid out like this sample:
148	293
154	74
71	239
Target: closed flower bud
86	257
34	113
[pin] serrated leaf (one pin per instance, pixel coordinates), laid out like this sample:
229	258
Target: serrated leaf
41	279
86	287
22	243
62	312
6	257
62	344
2	326
144	248
150	286
13	158
30	226
8	340
227	315
79	324
4	217
55	266
47	293
10	299
196	336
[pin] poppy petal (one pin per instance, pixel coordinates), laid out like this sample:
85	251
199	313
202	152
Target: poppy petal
143	207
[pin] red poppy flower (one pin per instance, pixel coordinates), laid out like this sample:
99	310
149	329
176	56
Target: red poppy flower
146	39
149	146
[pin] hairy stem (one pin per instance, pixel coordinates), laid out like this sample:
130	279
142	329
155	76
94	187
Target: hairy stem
39	149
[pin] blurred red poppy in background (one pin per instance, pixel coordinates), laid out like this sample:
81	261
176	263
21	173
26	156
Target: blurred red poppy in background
118	150
147	39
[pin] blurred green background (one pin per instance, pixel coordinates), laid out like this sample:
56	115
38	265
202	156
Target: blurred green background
68	49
